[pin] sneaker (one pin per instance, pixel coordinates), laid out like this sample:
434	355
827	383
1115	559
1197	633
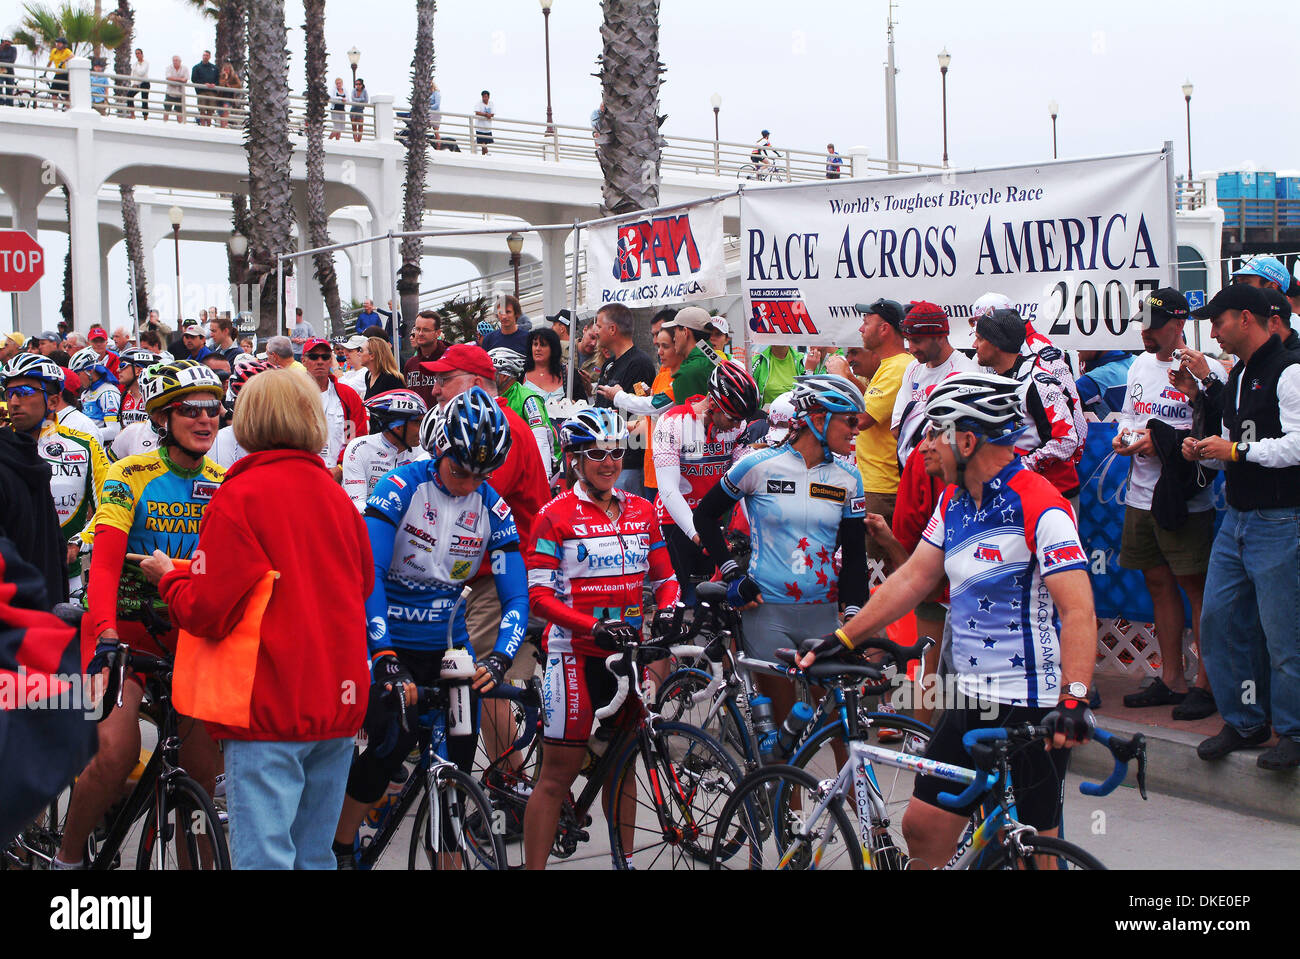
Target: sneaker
1228	740
344	857
1157	694
1285	755
888	735
1197	704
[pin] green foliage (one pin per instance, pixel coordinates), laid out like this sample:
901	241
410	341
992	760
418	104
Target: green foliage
43	23
459	318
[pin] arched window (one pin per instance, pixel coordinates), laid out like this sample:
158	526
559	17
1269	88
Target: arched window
1192	273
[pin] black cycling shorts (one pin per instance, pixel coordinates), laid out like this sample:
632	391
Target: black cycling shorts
1037	776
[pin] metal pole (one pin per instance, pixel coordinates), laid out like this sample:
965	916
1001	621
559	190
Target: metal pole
717	154
891	102
1053	136
13	308
176	236
514	262
279	293
1189	145
943	72
392	263
546	19
574	338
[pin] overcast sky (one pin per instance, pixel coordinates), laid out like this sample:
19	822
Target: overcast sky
812	71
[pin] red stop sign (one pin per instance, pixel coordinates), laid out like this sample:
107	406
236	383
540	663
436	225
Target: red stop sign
22	261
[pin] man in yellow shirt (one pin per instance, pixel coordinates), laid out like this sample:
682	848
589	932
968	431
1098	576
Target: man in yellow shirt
877	449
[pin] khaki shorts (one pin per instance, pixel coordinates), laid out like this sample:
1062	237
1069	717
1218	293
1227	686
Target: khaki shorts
483	619
1186	551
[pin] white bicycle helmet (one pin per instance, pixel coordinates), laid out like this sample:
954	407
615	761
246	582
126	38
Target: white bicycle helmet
983	403
508	362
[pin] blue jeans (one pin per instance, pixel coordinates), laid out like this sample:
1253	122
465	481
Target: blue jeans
284	801
1250	620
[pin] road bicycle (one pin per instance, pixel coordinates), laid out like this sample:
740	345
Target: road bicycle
767	172
790	819
192	834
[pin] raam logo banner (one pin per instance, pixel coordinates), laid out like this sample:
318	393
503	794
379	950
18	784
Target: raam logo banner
1074	245
650	259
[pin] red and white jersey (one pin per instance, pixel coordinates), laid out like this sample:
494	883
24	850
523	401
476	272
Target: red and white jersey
586	567
689	448
1054	441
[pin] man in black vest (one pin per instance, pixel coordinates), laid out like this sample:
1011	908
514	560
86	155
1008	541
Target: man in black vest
1250	633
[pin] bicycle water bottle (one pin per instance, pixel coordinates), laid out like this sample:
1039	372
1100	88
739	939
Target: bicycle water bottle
762	717
458	664
800	716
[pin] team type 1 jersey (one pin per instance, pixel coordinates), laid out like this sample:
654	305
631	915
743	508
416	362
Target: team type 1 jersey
1006	642
102	403
587	567
158	505
367	459
794	519
78	468
427	545
689	447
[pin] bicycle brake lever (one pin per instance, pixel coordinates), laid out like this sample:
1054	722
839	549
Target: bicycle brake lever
121	675
1142	766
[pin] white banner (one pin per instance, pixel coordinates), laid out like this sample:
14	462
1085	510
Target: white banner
649	259
1074	245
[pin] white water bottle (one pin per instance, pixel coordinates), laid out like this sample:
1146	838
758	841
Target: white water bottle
458	664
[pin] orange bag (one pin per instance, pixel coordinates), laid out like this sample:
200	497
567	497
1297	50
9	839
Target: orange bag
903	632
213	678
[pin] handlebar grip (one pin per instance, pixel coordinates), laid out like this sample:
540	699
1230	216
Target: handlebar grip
620	694
902	655
1117	774
715	668
991	735
983	783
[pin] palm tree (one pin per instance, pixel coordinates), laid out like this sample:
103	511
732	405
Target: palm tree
628	143
84	29
317	65
266	138
417	157
135	261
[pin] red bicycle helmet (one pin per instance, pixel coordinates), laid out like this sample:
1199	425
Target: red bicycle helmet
734	390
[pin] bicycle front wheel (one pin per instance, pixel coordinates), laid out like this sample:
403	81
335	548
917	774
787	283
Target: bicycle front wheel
676	703
466	834
1040	852
811	832
192	835
666	816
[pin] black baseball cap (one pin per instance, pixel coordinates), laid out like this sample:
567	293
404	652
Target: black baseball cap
891	311
1278	304
1238	296
1161	306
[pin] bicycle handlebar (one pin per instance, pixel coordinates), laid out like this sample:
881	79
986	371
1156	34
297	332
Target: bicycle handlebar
983	781
627	657
1123	750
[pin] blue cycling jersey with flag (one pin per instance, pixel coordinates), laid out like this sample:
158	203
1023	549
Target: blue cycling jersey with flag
427	545
1005	631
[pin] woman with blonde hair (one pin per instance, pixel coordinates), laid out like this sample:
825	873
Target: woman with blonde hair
288	699
385	374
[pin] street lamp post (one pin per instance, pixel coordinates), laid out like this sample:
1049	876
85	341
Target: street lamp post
354	57
238	246
945	58
1187	95
1054	108
176	215
716	102
546	19
516	244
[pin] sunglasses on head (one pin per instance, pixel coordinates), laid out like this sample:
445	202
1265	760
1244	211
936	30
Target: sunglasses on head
12	391
194	409
599	456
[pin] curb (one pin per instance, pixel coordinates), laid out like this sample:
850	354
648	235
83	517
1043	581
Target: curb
1173	768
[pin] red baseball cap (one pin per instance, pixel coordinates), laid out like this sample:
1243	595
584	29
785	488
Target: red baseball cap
314	342
96	333
71	381
463	357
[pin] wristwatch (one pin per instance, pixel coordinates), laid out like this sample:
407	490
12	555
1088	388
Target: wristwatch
1077	690
1242	450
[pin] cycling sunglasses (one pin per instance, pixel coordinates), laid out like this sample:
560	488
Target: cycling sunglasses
193	410
318	356
12	391
599	456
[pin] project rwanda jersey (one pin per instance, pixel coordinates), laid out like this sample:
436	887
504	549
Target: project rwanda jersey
158	505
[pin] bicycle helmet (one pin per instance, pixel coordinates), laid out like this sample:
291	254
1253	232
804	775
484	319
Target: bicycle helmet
989	405
780	418
817	392
241	373
394	407
137	356
36	367
86	362
168	383
987	304
592	425
507	362
471	429
733	390
485	327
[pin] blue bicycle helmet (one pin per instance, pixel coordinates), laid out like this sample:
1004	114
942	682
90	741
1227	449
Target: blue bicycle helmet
592	425
471	429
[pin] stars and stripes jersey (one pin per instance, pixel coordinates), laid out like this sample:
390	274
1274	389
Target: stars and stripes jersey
427	546
794	518
1006	642
586	567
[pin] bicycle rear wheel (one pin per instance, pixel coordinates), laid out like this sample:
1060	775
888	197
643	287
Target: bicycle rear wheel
192	834
688	782
676	703
467	835
802	839
1041	852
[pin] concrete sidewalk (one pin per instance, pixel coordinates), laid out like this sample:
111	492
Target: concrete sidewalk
1233	783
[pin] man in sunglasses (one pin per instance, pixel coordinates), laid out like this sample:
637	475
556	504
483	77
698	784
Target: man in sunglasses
345	414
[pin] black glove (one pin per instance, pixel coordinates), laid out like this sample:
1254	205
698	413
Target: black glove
497	664
613	634
105	657
384	717
823	646
667	623
1073	718
386	669
742	591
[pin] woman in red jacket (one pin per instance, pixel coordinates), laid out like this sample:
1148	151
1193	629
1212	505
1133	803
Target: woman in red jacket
289	704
